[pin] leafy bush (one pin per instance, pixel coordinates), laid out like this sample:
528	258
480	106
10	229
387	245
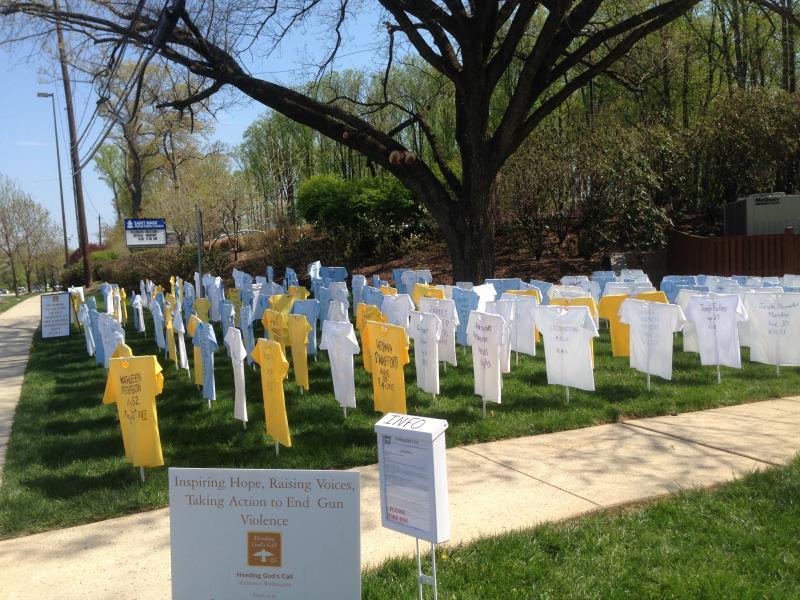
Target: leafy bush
362	218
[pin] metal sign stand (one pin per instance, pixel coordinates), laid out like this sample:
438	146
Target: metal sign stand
423	580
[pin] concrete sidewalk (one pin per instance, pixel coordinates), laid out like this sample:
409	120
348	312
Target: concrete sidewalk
17	325
493	488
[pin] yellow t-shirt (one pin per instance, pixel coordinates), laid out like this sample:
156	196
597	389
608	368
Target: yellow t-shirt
201	308
123	297
122	350
234	297
298	292
276	326
282	303
620	332
172	351
194	321
368	312
387	347
388	291
299	329
653	297
133	384
274	369
172	285
422	290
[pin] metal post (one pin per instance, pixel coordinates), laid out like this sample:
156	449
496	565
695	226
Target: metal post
277	449
433	572
141	473
719	375
567	390
60	181
419	573
648	382
484	408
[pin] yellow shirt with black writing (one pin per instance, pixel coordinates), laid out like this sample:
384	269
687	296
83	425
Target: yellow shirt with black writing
387	346
274	369
133	384
276	326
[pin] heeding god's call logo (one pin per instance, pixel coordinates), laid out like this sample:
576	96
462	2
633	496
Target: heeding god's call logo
263	549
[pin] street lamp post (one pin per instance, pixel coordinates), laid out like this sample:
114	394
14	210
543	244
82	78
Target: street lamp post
60	183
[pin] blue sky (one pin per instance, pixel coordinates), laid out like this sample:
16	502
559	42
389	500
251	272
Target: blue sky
27	145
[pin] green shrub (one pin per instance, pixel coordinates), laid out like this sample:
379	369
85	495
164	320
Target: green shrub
361	219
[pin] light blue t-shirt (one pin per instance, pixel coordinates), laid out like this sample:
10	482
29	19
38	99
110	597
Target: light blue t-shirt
543	287
270	274
310	309
465	301
333	273
206	339
501	286
372	295
246	326
228	315
397	275
158	325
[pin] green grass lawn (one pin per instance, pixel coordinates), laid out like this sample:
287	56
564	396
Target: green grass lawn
65	463
7	302
736	541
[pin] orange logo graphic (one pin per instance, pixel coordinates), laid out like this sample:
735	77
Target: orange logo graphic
263	549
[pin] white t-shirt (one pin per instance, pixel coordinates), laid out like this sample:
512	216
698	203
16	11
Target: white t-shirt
233	339
426	331
398	309
567	332
774	328
567	291
716	317
523	334
485	334
412	277
446	311
83	319
179	328
339	339
138	304
652	325
689	328
337	311
111	334
504	308
486	293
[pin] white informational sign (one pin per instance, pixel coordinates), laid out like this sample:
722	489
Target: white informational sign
55	311
145	232
240	534
413	476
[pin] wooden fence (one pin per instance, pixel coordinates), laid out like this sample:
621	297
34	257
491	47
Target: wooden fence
768	255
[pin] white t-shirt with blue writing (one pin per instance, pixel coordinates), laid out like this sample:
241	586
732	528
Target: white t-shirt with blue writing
566	332
716	317
485	334
652	325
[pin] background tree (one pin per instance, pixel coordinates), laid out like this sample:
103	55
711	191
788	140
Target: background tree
542	53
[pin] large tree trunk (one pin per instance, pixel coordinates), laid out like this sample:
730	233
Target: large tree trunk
472	248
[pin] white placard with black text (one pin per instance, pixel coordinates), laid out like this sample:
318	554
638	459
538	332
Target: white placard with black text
413	476
239	534
55	309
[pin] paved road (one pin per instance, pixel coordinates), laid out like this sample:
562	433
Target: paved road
494	487
17	325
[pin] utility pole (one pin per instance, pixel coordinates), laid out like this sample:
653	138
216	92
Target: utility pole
77	183
60	183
